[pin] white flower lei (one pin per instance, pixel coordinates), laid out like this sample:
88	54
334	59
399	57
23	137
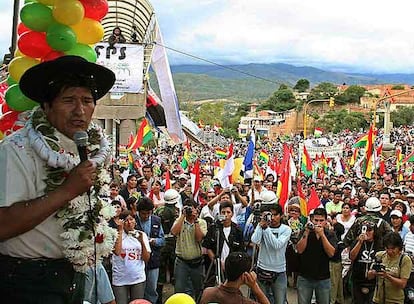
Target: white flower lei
84	224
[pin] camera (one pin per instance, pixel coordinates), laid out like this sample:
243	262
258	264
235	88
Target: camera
220	219
310	226
378	267
134	233
267	216
188	210
256	209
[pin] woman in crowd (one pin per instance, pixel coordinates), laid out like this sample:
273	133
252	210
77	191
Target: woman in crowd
397	223
156	195
132	251
392	272
346	218
130	188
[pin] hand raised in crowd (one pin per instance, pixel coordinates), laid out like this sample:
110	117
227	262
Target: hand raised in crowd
119	223
362	237
80	179
319	230
263	223
250	278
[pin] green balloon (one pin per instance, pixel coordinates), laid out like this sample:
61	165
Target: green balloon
36	16
83	50
60	37
10	81
29	1
17	101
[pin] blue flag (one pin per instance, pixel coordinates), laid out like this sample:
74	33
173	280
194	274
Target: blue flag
248	159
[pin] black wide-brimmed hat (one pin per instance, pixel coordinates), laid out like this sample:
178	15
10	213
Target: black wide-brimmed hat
37	81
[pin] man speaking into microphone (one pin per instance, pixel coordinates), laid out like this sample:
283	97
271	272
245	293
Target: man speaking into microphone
46	239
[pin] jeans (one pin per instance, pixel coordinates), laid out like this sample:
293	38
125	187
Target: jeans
306	287
151	285
127	293
183	273
278	288
40	281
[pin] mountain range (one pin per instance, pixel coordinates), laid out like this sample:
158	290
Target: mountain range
256	82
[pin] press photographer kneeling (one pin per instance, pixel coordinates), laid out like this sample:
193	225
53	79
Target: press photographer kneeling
391	269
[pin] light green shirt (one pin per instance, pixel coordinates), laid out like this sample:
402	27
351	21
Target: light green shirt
187	248
331	207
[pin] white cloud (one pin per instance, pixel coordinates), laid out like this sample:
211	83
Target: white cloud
356	35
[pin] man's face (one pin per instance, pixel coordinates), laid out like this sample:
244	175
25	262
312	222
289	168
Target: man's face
225	197
275	219
319	220
71	110
325	193
337	198
147	173
182	182
144	215
385	200
228	214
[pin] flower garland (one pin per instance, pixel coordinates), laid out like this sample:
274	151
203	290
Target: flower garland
84	223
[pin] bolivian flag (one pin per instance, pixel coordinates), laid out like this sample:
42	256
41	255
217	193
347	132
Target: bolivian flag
264	156
306	164
144	135
221	153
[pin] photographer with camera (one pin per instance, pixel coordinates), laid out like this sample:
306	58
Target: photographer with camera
391	270
316	246
190	231
372	207
228	235
272	237
362	256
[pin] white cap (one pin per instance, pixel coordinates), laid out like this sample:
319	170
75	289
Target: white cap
396	213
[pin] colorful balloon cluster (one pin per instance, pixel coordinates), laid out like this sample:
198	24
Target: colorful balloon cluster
50	29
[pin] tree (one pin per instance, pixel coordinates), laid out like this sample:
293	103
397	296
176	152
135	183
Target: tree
352	94
281	100
403	116
336	121
324	90
302	85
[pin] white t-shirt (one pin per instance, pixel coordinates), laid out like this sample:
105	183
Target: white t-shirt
226	250
237	210
129	268
23	178
346	224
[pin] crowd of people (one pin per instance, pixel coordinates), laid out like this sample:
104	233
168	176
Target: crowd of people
151	229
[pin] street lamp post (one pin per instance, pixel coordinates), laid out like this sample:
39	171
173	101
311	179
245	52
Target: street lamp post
305	114
387	118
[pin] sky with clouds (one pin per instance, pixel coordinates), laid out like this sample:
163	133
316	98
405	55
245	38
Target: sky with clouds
352	36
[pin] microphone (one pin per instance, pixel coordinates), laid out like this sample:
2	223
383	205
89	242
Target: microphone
81	140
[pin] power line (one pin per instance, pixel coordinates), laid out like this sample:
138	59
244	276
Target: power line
217	64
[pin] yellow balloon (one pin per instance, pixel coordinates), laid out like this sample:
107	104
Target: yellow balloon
47	2
18	53
68	12
88	31
19	65
1	135
180	298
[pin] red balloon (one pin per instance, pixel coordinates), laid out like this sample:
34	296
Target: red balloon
95	9
21	29
52	55
5	108
7	121
34	44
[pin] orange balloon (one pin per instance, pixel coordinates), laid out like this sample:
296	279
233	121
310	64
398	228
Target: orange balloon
88	31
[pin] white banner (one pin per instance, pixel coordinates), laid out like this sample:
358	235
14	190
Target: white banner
169	98
328	152
126	61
